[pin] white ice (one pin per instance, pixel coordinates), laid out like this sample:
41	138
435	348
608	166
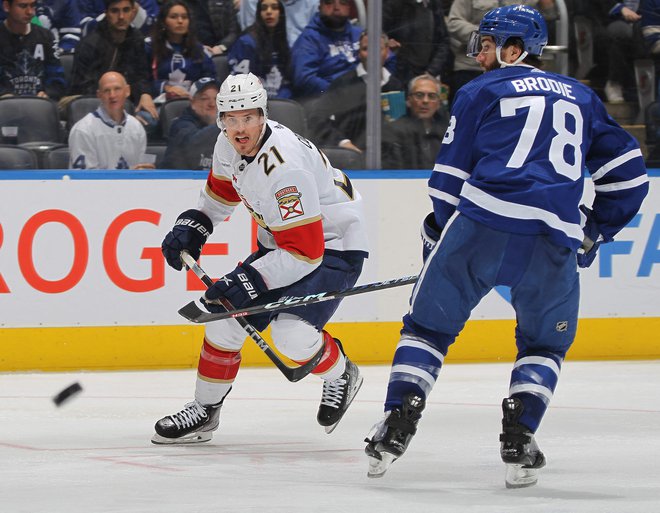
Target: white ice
601	437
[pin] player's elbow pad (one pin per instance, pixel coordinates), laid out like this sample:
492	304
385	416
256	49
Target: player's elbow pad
430	235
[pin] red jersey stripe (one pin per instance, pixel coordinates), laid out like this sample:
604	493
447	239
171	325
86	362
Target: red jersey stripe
221	189
304	241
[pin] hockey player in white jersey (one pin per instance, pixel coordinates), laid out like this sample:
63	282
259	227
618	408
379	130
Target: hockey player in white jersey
506	191
311	237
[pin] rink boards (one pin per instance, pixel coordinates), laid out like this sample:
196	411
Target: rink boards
83	284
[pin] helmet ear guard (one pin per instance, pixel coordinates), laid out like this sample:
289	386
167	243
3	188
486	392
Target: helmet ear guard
241	92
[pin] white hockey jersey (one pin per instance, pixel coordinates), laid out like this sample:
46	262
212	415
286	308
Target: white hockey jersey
301	203
97	142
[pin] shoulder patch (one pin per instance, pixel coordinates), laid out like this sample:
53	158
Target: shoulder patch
290	203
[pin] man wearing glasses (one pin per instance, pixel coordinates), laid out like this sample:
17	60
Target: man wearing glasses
413	141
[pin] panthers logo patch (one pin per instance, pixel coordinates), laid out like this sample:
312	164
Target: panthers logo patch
289	202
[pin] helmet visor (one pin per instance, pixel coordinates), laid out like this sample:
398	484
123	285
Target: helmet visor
234	122
474	44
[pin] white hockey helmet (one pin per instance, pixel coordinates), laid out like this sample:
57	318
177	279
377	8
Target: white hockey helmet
241	92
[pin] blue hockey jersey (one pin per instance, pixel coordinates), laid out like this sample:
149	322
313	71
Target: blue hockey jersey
243	57
320	55
514	155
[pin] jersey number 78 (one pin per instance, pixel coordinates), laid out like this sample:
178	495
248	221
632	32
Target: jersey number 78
536	107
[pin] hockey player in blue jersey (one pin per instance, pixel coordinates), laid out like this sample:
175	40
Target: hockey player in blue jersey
506	191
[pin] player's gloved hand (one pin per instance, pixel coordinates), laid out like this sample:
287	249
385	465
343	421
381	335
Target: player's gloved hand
430	235
587	252
239	287
190	232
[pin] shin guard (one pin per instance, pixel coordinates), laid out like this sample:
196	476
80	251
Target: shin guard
333	358
217	365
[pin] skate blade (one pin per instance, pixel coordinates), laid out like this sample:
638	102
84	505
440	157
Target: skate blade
517	476
378	467
193	438
331	428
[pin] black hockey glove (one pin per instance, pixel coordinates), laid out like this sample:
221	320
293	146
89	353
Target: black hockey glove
190	232
239	287
592	239
430	235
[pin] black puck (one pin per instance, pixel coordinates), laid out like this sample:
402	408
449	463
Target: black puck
67	394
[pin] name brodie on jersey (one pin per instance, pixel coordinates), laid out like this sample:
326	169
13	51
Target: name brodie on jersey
543	84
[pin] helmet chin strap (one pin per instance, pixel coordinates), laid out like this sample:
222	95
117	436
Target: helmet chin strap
263	131
505	64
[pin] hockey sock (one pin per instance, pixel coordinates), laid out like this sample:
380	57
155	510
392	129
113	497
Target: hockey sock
415	368
333	362
533	380
216	372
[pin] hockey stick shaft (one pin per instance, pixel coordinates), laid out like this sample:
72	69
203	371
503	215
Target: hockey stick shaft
291	373
193	313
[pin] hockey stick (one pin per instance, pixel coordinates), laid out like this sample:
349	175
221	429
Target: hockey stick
290	373
195	314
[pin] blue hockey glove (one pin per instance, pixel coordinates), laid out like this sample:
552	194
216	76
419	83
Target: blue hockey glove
586	254
190	232
239	287
430	235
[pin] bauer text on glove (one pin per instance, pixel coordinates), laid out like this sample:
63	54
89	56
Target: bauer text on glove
190	232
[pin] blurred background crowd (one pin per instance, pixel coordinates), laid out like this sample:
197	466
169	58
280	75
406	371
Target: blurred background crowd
78	77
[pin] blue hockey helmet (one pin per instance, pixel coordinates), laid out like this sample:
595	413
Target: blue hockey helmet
519	21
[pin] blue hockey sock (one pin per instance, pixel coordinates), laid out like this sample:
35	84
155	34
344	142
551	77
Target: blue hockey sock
415	368
533	381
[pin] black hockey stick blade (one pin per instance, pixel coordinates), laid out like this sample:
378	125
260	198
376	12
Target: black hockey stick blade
293	374
195	314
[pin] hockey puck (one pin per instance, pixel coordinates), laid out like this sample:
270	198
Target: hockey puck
67	394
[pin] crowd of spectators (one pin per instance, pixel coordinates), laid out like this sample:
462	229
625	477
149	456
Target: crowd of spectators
340	115
311	51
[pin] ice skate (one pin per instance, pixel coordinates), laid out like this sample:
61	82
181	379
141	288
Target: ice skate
392	435
194	424
338	395
518	449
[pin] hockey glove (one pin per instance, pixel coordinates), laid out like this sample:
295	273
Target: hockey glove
239	287
592	239
190	232
430	235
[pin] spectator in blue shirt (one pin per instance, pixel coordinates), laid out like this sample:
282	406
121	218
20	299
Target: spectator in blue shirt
298	15
175	56
326	49
263	50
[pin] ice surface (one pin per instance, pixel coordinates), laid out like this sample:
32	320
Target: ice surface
601	437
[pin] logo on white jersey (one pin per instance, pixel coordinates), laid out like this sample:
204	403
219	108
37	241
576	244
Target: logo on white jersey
289	201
